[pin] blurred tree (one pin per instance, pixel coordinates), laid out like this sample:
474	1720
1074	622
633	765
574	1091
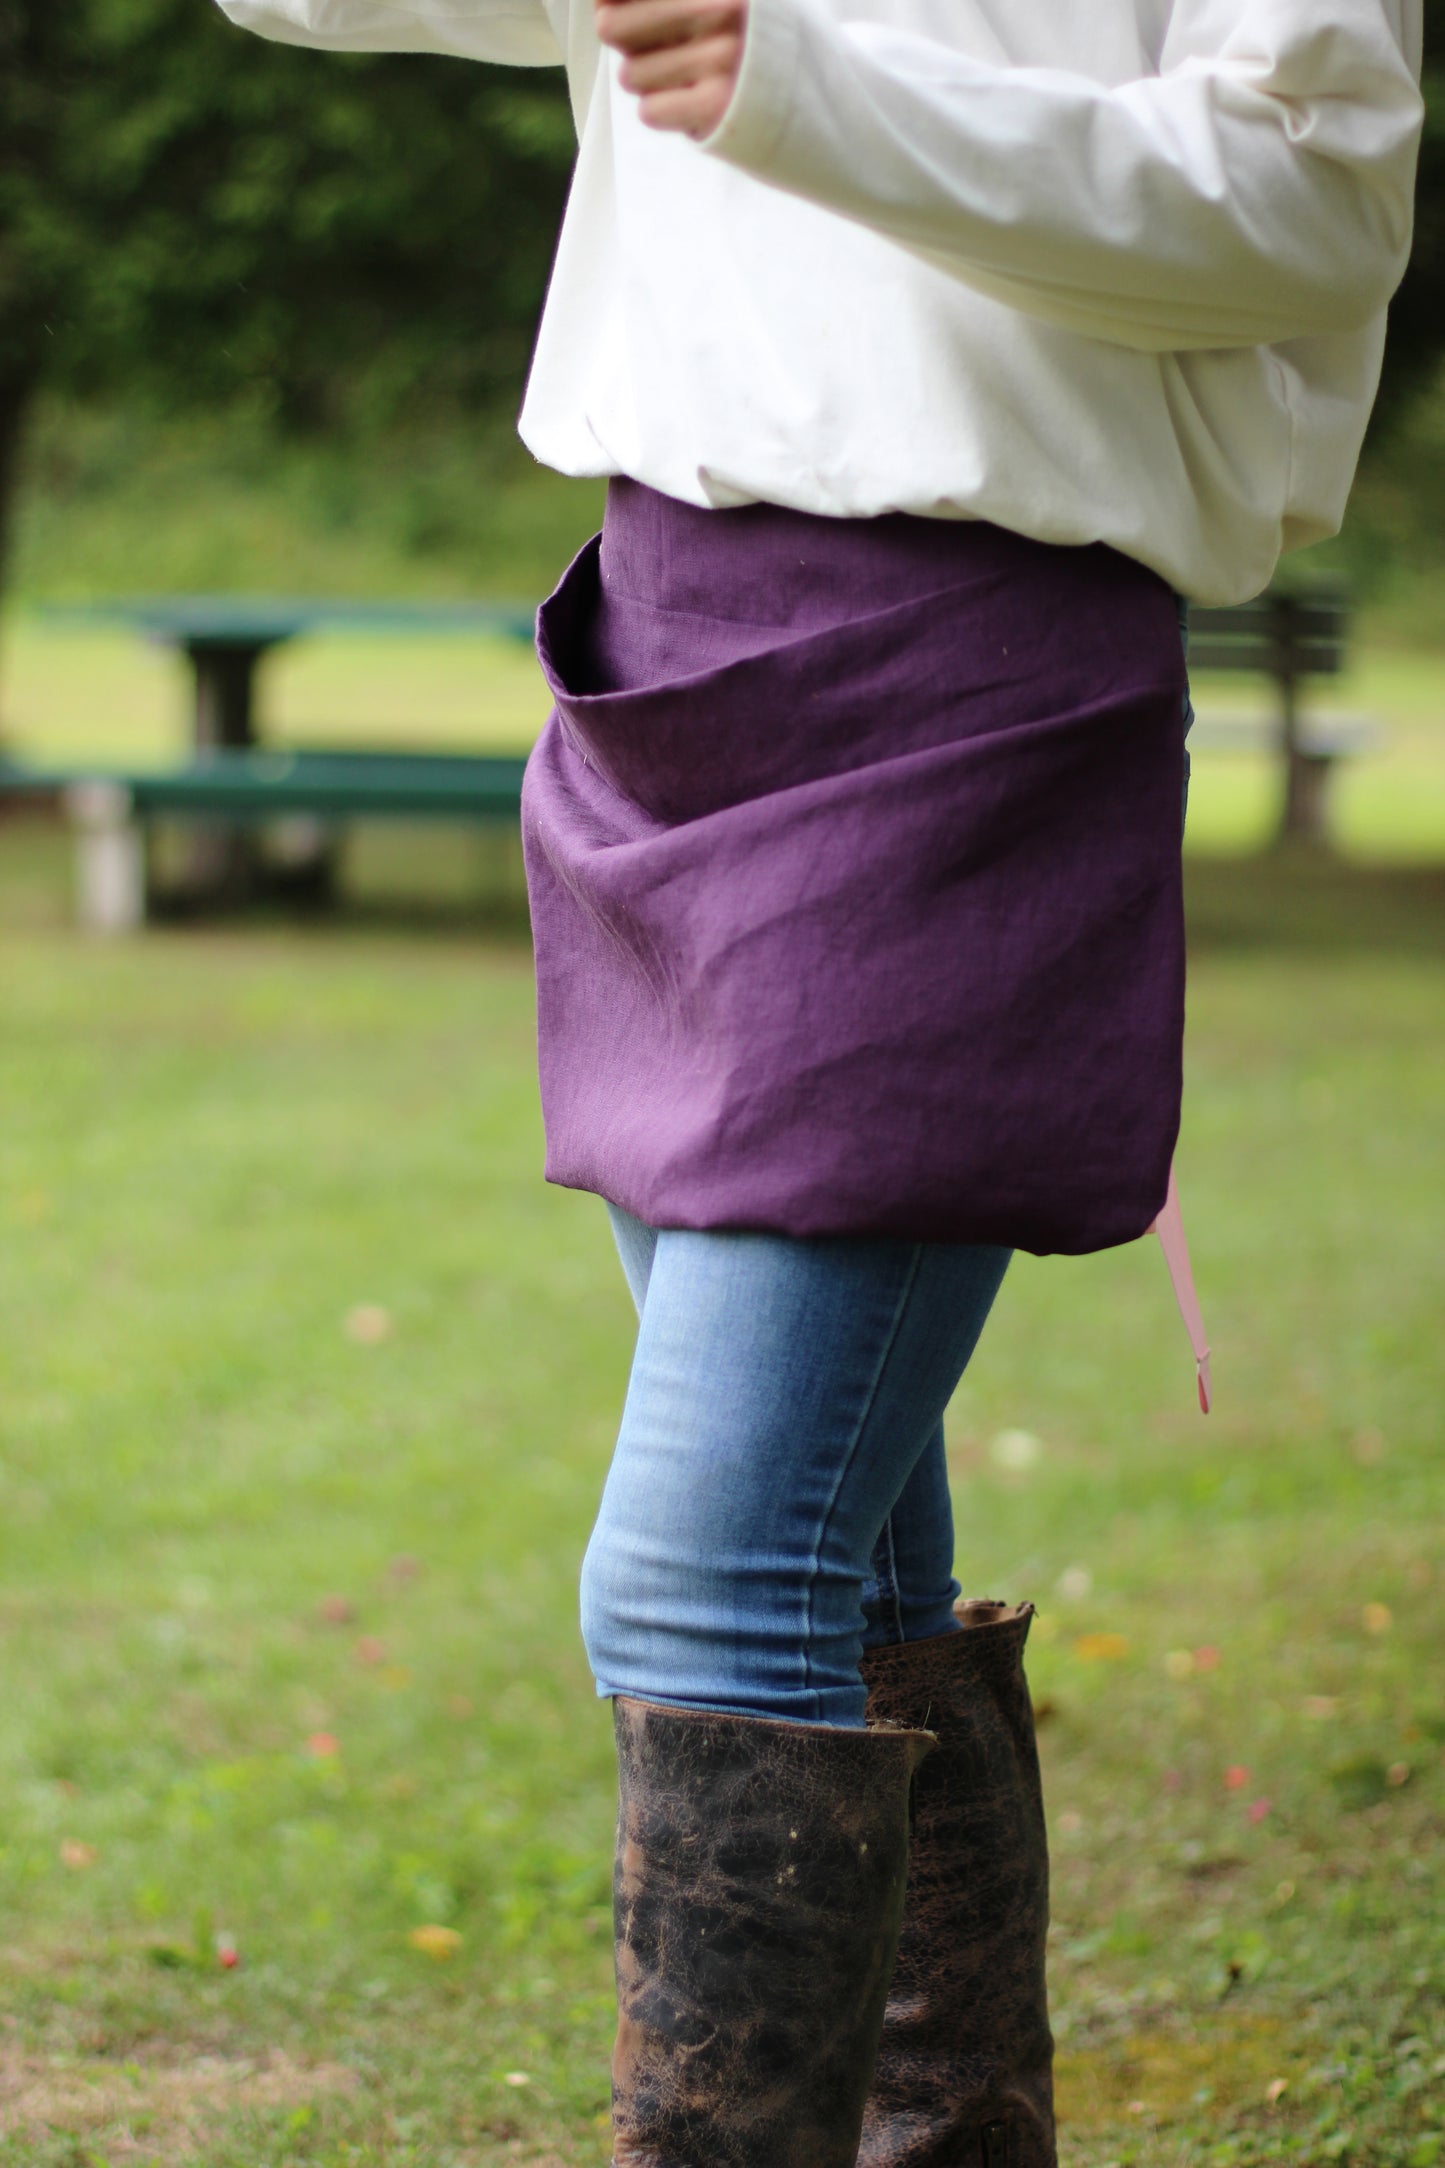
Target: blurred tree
1416	345
190	210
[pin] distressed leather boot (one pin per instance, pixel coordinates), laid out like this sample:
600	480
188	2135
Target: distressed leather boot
964	2073
758	1892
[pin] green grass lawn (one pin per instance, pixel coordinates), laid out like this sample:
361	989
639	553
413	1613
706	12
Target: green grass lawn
308	1389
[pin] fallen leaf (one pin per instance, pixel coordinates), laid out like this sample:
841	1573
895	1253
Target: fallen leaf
368	1324
1398	1773
1377	1618
1015	1450
1276	2089
438	1943
1100	1648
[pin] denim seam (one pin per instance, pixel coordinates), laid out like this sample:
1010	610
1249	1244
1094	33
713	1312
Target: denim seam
889	1590
869	1402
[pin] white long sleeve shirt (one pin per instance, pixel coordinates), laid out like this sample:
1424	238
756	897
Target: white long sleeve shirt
1097	270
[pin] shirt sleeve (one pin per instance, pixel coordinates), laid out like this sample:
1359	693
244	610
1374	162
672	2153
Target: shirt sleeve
518	33
1257	187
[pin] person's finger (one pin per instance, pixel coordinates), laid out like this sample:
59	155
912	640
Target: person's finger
695	111
633	26
675	67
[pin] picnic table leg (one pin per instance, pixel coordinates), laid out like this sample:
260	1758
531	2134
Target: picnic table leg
110	857
1306	774
304	849
225	692
1306	781
1306	795
228	862
220	861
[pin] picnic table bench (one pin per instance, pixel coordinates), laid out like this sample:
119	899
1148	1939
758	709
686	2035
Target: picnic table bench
1287	637
235	791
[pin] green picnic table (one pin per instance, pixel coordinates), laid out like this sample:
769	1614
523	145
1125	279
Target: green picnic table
223	637
231	786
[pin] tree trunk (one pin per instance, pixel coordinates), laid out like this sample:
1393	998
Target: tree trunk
15	395
16	389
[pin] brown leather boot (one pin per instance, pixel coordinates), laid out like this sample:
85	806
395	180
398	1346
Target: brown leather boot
757	1895
964	2074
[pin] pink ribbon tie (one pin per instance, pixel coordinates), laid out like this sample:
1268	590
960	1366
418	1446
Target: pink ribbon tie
1170	1229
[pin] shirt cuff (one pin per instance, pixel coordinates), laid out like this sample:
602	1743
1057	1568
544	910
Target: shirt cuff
761	103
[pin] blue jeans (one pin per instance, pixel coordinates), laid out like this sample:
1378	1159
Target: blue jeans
778	1500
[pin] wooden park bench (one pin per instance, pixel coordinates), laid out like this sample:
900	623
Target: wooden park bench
1288	638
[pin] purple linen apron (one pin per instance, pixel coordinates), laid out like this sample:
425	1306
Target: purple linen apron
853	853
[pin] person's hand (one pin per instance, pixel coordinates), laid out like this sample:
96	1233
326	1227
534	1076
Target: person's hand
680	57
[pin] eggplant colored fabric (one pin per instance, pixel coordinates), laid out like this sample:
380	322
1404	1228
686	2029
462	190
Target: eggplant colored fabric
853	853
